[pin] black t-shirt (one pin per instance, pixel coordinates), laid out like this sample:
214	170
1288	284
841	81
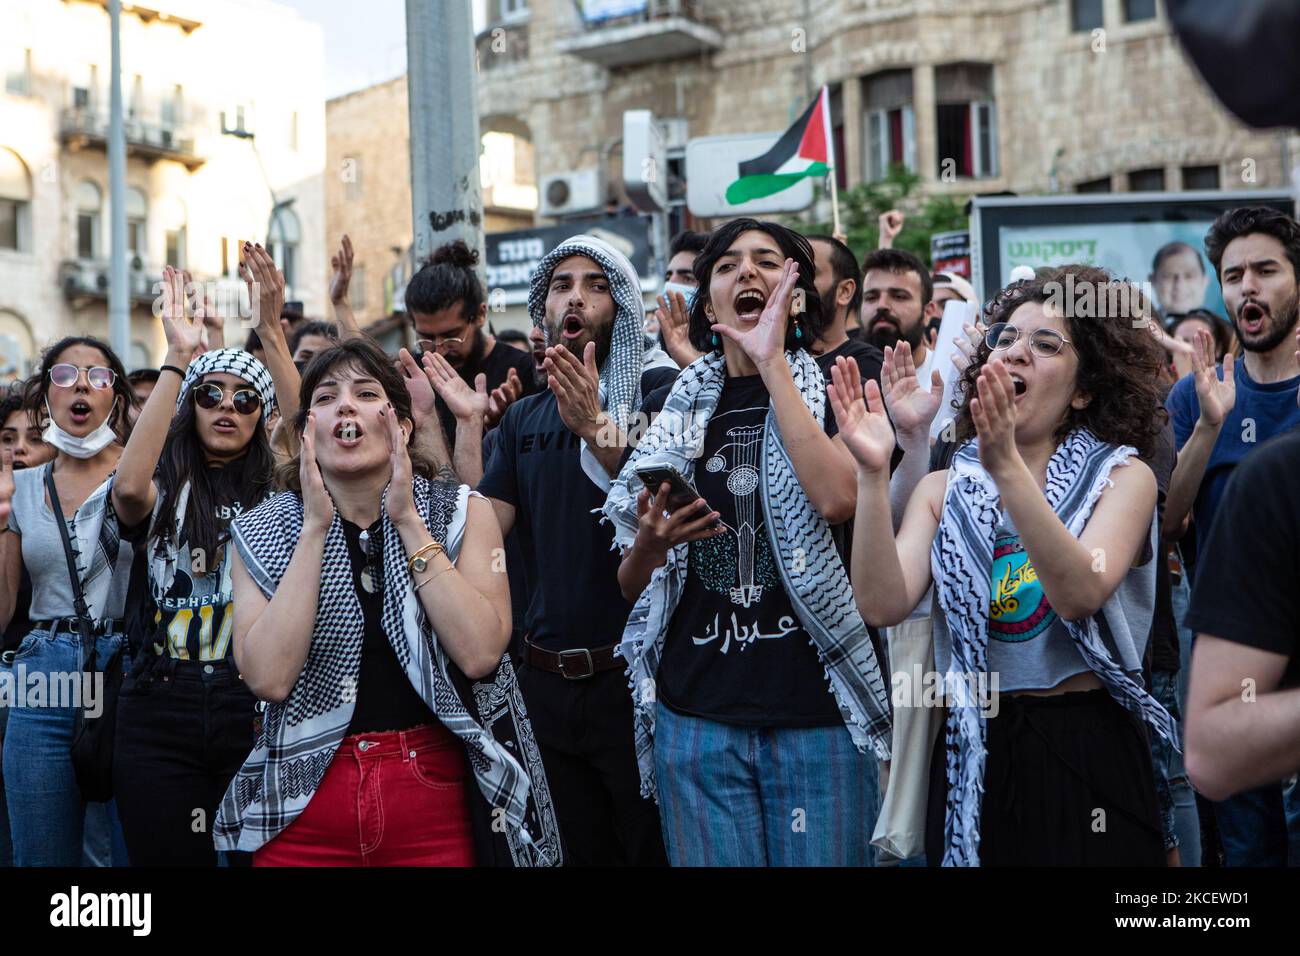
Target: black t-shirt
1247	587
735	650
870	360
385	699
496	365
574	598
1164	627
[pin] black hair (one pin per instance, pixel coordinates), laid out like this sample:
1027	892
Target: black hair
688	241
1172	249
325	329
448	276
844	265
38	386
246	480
1249	220
792	246
1225	340
143	375
513	335
10	401
899	260
254	343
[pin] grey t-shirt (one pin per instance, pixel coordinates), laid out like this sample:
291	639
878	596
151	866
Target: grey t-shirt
43	552
1029	647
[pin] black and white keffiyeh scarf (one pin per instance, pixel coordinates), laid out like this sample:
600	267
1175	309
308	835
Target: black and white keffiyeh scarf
301	734
235	362
961	562
810	567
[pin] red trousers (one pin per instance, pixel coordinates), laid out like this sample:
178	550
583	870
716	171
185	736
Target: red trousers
396	798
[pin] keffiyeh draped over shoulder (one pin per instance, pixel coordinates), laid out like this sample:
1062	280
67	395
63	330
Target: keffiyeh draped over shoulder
811	571
961	562
301	734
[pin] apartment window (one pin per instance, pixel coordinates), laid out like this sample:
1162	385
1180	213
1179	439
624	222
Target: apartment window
1139	10
136	220
89	206
286	234
85	95
18	73
1200	177
966	120
174	222
889	125
512	9
173	108
237	119
351	173
1146	180
15	202
357	288
1101	185
1086	15
135	105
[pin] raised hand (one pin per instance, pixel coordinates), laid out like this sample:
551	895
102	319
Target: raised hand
766	340
6	486
400	500
461	400
317	505
1216	397
184	333
891	224
265	288
501	398
860	415
658	531
674	323
967	344
910	406
577	388
994	414
418	384
341	263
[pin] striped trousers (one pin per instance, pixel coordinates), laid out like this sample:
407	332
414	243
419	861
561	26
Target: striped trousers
775	796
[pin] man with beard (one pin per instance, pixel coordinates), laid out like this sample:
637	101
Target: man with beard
22	447
544	482
896	288
448	310
1220	415
837	284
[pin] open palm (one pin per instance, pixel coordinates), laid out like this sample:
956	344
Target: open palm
860	415
910	406
1216	397
184	332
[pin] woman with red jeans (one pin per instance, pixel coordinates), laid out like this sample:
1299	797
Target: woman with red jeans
364	598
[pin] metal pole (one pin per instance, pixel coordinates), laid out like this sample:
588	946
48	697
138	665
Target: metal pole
446	198
119	293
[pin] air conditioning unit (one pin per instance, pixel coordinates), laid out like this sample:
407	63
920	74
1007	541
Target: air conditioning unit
576	192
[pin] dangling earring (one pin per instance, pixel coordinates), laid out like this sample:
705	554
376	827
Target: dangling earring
798	330
716	341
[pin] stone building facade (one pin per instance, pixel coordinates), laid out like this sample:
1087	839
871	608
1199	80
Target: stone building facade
214	147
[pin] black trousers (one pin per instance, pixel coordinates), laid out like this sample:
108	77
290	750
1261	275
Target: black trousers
1068	781
584	731
182	733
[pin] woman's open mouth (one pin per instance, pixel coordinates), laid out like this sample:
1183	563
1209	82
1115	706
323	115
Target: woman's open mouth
749	305
1019	384
225	426
80	412
573	326
348	433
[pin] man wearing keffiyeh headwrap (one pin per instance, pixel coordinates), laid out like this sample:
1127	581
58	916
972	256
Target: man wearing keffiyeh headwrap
554	456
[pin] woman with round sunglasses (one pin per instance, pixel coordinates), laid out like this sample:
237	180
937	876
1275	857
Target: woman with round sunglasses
1039	539
199	455
83	392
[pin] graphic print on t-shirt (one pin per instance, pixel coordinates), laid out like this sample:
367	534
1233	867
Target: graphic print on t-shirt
196	617
738	459
1018	609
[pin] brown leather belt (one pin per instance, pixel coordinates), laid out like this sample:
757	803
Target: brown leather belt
575	664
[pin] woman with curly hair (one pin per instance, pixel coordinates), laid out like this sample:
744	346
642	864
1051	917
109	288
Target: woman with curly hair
1039	539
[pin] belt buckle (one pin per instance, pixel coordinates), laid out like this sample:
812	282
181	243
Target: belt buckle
583	652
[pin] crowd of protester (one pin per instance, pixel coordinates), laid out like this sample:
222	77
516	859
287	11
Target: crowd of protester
475	603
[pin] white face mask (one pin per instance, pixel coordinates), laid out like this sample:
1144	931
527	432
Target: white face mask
87	447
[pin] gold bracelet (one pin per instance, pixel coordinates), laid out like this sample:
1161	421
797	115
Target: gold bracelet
450	567
418	562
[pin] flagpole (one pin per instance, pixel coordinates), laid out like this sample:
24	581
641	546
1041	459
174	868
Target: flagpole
830	152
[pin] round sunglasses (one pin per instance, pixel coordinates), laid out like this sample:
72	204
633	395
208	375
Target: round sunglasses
65	375
1042	342
210	395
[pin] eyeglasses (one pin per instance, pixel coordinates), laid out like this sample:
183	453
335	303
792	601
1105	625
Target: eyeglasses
1043	342
436	342
210	395
65	376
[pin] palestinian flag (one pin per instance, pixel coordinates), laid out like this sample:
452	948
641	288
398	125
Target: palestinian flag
804	150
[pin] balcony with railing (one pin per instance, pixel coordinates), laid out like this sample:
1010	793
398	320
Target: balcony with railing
86	127
618	33
83	280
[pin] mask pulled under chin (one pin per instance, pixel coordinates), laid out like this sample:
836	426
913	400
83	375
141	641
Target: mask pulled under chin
85	447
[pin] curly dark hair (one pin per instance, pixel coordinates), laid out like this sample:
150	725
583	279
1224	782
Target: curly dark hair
1249	220
1119	359
791	245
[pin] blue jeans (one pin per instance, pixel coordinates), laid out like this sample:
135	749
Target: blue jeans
743	796
1178	816
6	845
46	812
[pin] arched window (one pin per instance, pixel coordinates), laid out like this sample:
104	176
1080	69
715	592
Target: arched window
15	202
89	205
137	215
286	234
17	347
